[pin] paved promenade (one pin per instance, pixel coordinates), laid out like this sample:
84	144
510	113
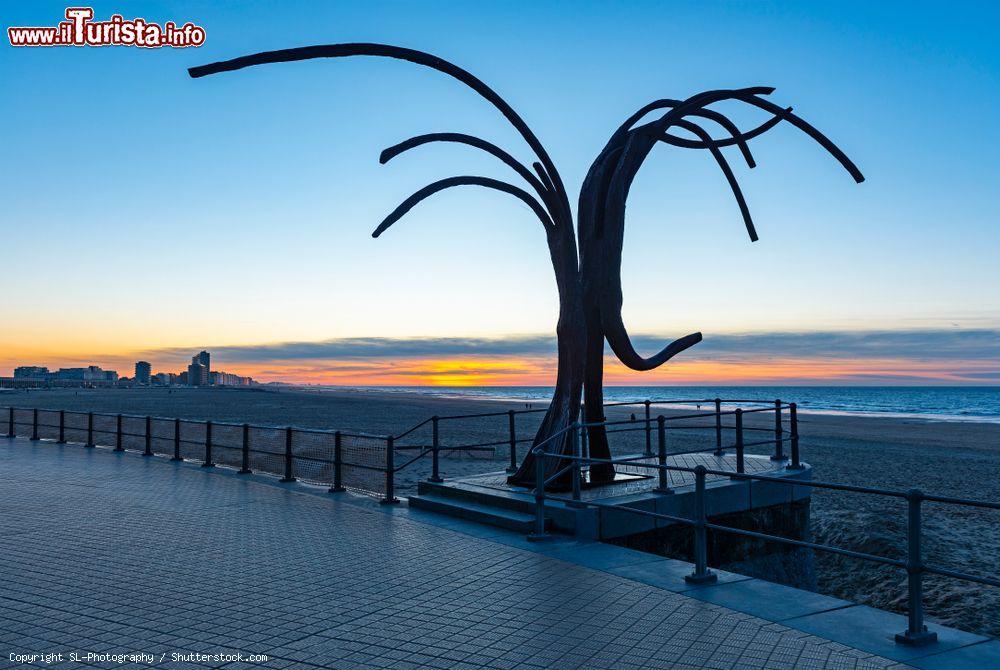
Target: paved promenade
107	552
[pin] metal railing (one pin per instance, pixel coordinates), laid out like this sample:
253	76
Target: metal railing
916	632
362	462
417	439
341	459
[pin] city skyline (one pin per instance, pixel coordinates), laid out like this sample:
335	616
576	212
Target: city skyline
287	208
198	373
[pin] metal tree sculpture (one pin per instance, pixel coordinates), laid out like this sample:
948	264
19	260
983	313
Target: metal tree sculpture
589	285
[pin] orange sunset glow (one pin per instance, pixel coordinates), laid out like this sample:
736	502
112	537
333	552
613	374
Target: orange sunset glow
541	372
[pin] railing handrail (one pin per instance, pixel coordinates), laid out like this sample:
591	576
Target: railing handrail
209	439
851	488
451	417
228	424
693	401
916	632
417	451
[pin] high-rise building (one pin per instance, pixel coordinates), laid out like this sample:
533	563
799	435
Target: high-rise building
143	370
203	358
197	374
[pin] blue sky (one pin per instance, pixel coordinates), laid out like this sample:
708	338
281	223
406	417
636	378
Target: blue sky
146	210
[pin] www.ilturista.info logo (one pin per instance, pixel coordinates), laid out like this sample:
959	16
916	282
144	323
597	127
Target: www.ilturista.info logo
81	30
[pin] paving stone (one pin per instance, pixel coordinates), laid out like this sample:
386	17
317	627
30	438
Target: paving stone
103	551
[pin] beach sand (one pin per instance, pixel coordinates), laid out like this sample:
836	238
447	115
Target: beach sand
946	458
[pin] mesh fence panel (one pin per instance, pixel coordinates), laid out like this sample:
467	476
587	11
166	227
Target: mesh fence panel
162	431
48	424
22	422
227	445
105	429
363	463
193	440
314	454
267	450
133	433
76	427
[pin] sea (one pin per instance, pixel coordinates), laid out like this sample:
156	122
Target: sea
930	403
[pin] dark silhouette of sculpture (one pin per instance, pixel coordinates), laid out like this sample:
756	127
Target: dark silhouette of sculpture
586	260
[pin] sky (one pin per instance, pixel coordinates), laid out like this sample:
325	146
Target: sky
150	215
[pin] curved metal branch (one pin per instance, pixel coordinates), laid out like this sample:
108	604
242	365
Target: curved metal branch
751	97
710	96
736	136
812	132
734	132
473	141
726	170
443	184
412	56
686	143
618	339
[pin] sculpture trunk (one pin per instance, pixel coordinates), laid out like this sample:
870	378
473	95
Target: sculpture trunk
593	260
564	409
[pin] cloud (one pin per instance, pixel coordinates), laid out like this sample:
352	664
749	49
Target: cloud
916	344
361	348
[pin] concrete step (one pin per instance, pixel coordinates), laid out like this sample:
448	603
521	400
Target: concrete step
494	499
471	511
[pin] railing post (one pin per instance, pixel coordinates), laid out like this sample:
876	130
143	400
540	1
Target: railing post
540	461
701	574
177	441
338	464
584	436
245	460
90	430
11	432
148	451
512	468
916	633
779	454
118	434
435	453
390	472
577	465
649	432
62	427
209	463
34	425
289	474
718	426
661	457
739	441
793	420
